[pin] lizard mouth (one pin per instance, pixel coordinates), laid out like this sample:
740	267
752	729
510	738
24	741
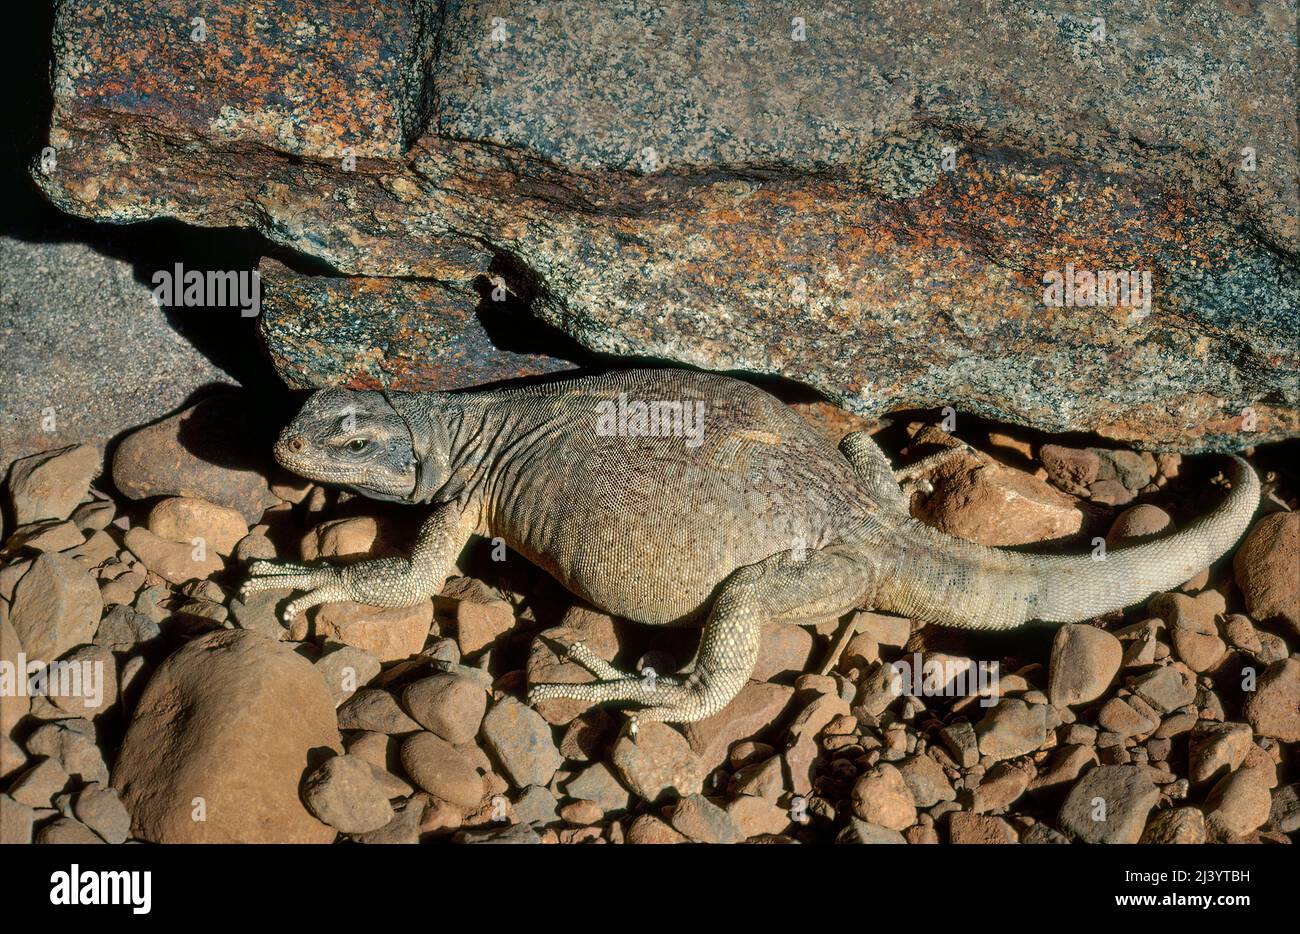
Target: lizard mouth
298	459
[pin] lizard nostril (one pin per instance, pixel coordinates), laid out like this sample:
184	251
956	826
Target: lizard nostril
296	444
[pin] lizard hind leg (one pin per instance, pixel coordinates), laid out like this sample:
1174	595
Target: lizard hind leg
873	468
792	585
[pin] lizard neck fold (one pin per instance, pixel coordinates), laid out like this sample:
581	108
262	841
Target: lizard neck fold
453	437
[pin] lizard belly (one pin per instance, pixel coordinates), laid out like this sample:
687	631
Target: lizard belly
662	572
652	545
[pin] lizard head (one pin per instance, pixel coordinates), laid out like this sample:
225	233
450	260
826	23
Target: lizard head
351	439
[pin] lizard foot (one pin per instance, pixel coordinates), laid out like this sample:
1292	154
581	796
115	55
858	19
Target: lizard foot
323	584
579	653
918	485
911	479
665	699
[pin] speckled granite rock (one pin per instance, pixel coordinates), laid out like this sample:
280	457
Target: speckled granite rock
708	188
368	332
79	382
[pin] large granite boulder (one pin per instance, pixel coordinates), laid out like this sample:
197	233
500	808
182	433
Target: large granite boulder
877	204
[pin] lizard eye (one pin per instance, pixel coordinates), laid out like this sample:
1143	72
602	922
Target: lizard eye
357	444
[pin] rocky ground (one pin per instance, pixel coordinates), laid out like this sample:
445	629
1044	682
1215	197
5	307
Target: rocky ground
1177	721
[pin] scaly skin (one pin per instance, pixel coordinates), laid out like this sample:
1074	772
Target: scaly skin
743	516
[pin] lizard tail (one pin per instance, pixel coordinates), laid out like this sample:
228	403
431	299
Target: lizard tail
970	586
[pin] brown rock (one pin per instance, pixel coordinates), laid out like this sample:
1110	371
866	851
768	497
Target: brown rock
1119	716
56	606
50	535
254	546
1166	689
1111	492
1192	627
520	739
764	779
408	819
704	821
651	829
67	830
1083	663
784	648
1216	749
1132	468
885	628
581	813
1180	825
37	786
376	710
51	484
185	519
343	793
755	816
203	452
1274	708
99	808
71	743
1138	522
961	740
1109	804
346	670
14	704
449	705
1238	804
1241	634
380	750
965	827
97	551
10	574
1265	567
175	562
882	797
16	821
861	652
86	682
995	505
388	633
94	515
1065	765
588	735
1000	787
1071	469
926	780
802	753
1012	728
657	761
437	767
220	741
479	624
348	539
757	707
597	783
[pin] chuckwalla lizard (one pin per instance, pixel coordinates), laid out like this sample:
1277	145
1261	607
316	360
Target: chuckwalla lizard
674	497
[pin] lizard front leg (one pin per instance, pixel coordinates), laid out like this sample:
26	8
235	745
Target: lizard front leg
391	582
